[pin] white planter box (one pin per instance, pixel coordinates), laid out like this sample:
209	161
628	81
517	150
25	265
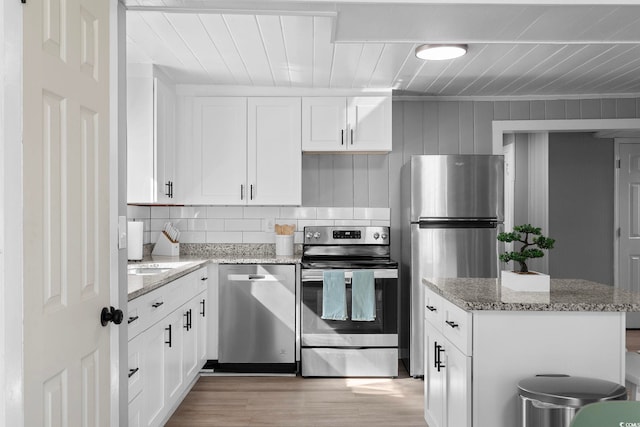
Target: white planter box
532	282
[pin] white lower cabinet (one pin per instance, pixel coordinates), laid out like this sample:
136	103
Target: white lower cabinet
447	382
165	357
474	359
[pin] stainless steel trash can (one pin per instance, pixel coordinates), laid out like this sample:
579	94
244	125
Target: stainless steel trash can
553	400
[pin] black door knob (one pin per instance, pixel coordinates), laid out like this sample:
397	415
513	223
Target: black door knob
111	315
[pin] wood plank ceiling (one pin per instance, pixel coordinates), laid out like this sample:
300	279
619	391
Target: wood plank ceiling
514	50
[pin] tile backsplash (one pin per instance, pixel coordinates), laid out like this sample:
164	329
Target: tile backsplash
250	224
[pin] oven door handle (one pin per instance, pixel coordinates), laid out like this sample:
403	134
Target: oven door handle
316	275
347	280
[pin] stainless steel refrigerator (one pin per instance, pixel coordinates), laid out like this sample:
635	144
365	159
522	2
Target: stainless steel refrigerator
452	208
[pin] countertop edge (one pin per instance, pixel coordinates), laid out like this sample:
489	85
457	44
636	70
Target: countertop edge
534	306
177	273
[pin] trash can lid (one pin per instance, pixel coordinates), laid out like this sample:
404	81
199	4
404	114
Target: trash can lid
570	391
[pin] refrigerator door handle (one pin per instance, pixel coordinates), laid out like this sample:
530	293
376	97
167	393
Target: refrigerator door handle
458	222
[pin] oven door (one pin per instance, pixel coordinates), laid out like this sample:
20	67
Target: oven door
381	332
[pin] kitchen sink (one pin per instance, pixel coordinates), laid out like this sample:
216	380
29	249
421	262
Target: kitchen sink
147	271
155	268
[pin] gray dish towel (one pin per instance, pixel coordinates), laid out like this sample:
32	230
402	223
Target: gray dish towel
363	296
334	295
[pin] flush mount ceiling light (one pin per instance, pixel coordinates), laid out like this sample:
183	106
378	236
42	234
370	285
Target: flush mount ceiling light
437	52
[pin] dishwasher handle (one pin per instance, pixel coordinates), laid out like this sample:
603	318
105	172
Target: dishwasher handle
252	277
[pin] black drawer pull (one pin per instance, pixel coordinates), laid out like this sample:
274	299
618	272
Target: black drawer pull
168	329
431	308
204	278
132	319
157	304
203	304
451	323
186	320
133	371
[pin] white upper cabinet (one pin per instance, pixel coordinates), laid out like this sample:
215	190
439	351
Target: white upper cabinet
219	151
151	148
245	151
274	162
356	124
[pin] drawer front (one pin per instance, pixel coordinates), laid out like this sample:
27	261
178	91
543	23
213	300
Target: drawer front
457	326
433	309
202	279
136	370
138	316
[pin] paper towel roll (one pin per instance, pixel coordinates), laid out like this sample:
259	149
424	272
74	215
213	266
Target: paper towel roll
134	240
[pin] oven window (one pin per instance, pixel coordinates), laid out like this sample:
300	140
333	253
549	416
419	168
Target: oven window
386	311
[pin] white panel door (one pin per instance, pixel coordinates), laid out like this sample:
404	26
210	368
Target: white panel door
324	123
369	123
629	222
274	162
219	155
66	213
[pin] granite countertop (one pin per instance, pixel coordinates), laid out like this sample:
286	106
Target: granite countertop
565	295
139	285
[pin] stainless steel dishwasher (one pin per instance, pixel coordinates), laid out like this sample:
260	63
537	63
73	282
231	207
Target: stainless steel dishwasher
257	318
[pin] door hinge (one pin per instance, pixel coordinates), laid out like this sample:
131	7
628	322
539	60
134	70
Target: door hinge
618	163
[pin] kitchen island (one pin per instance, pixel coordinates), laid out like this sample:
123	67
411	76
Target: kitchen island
482	339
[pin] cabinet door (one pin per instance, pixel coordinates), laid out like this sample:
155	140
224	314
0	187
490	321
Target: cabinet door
140	188
274	161
458	386
200	320
369	123
136	417
190	339
164	136
434	378
324	124
154	374
219	154
173	352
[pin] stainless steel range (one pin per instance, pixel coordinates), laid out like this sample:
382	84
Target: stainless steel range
349	345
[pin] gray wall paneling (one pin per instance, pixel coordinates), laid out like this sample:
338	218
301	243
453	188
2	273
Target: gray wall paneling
433	127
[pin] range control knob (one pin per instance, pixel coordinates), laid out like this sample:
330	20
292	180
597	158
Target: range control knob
384	236
309	235
376	235
316	235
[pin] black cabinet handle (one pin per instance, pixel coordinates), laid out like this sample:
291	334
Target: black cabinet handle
351	136
204	278
186	320
168	329
190	318
431	308
451	323
251	189
132	319
203	303
241	192
157	304
133	371
341	136
438	361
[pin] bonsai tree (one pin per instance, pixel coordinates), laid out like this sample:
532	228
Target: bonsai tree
532	244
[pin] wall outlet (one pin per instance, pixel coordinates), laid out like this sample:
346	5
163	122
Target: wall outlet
268	224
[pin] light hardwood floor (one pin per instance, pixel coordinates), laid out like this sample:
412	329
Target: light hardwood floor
295	401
